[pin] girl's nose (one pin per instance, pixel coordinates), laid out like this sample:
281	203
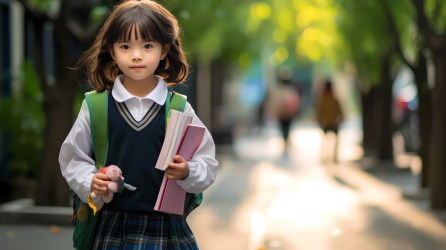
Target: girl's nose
136	58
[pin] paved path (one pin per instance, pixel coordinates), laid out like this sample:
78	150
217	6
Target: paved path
263	200
24	237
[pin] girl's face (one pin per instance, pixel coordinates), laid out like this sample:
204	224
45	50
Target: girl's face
138	59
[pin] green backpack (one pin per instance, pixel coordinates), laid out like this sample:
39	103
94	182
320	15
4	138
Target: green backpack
83	217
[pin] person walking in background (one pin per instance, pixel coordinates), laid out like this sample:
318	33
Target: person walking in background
329	114
284	105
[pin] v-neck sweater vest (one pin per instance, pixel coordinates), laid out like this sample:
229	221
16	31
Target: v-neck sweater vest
134	147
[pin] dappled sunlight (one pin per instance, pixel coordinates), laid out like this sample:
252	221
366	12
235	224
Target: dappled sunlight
307	145
319	36
257	232
260	147
257	223
307	138
283	201
404	159
350	148
308	202
280	55
313	145
308	208
287	208
350	153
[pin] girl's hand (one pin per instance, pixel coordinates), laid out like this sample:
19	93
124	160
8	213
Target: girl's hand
99	183
178	168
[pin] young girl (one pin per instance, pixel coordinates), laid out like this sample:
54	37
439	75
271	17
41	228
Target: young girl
136	56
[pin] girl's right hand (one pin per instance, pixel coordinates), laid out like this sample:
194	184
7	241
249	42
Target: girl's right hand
99	183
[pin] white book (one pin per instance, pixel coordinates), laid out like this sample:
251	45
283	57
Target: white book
177	124
160	193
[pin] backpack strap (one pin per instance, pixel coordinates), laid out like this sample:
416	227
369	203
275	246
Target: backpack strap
84	215
174	101
98	107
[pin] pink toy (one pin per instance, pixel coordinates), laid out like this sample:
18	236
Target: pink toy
116	185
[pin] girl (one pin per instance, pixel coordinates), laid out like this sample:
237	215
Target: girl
136	56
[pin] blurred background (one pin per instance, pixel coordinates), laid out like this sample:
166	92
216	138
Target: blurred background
328	118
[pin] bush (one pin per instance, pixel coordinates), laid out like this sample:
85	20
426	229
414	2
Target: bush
23	121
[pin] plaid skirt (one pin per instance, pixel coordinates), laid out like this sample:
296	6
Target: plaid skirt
128	231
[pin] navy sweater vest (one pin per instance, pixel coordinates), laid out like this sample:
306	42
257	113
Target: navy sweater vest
134	147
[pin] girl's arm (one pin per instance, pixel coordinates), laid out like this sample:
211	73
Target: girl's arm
77	166
203	166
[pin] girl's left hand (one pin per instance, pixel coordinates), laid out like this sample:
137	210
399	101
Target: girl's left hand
178	168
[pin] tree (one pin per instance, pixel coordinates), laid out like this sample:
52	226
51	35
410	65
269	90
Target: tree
417	61
431	16
58	97
216	36
339	32
214	30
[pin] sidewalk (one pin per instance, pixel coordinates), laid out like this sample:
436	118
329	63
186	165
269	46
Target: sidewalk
262	199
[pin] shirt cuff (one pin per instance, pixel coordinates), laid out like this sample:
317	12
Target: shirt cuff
88	180
192	172
97	198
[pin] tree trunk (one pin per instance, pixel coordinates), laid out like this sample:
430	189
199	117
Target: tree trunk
52	189
368	141
425	117
438	137
204	104
383	124
58	104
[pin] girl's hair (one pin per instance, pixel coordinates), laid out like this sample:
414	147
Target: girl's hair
154	23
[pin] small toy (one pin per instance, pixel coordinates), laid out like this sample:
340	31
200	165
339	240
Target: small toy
116	185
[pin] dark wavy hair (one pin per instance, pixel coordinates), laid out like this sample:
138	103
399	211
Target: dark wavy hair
154	23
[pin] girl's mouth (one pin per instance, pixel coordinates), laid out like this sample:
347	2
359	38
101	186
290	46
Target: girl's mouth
137	67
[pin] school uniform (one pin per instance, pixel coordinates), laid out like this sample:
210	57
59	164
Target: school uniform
136	134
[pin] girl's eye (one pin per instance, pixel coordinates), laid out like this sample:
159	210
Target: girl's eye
147	46
125	47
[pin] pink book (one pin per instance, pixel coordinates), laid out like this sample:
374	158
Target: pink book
171	196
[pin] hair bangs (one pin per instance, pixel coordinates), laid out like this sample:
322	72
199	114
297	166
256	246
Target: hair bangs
136	19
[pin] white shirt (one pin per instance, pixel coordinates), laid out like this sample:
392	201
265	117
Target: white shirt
78	167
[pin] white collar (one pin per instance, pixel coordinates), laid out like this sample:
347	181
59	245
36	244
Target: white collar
157	95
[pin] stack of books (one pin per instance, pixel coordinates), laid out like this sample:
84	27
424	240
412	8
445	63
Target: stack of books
183	139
